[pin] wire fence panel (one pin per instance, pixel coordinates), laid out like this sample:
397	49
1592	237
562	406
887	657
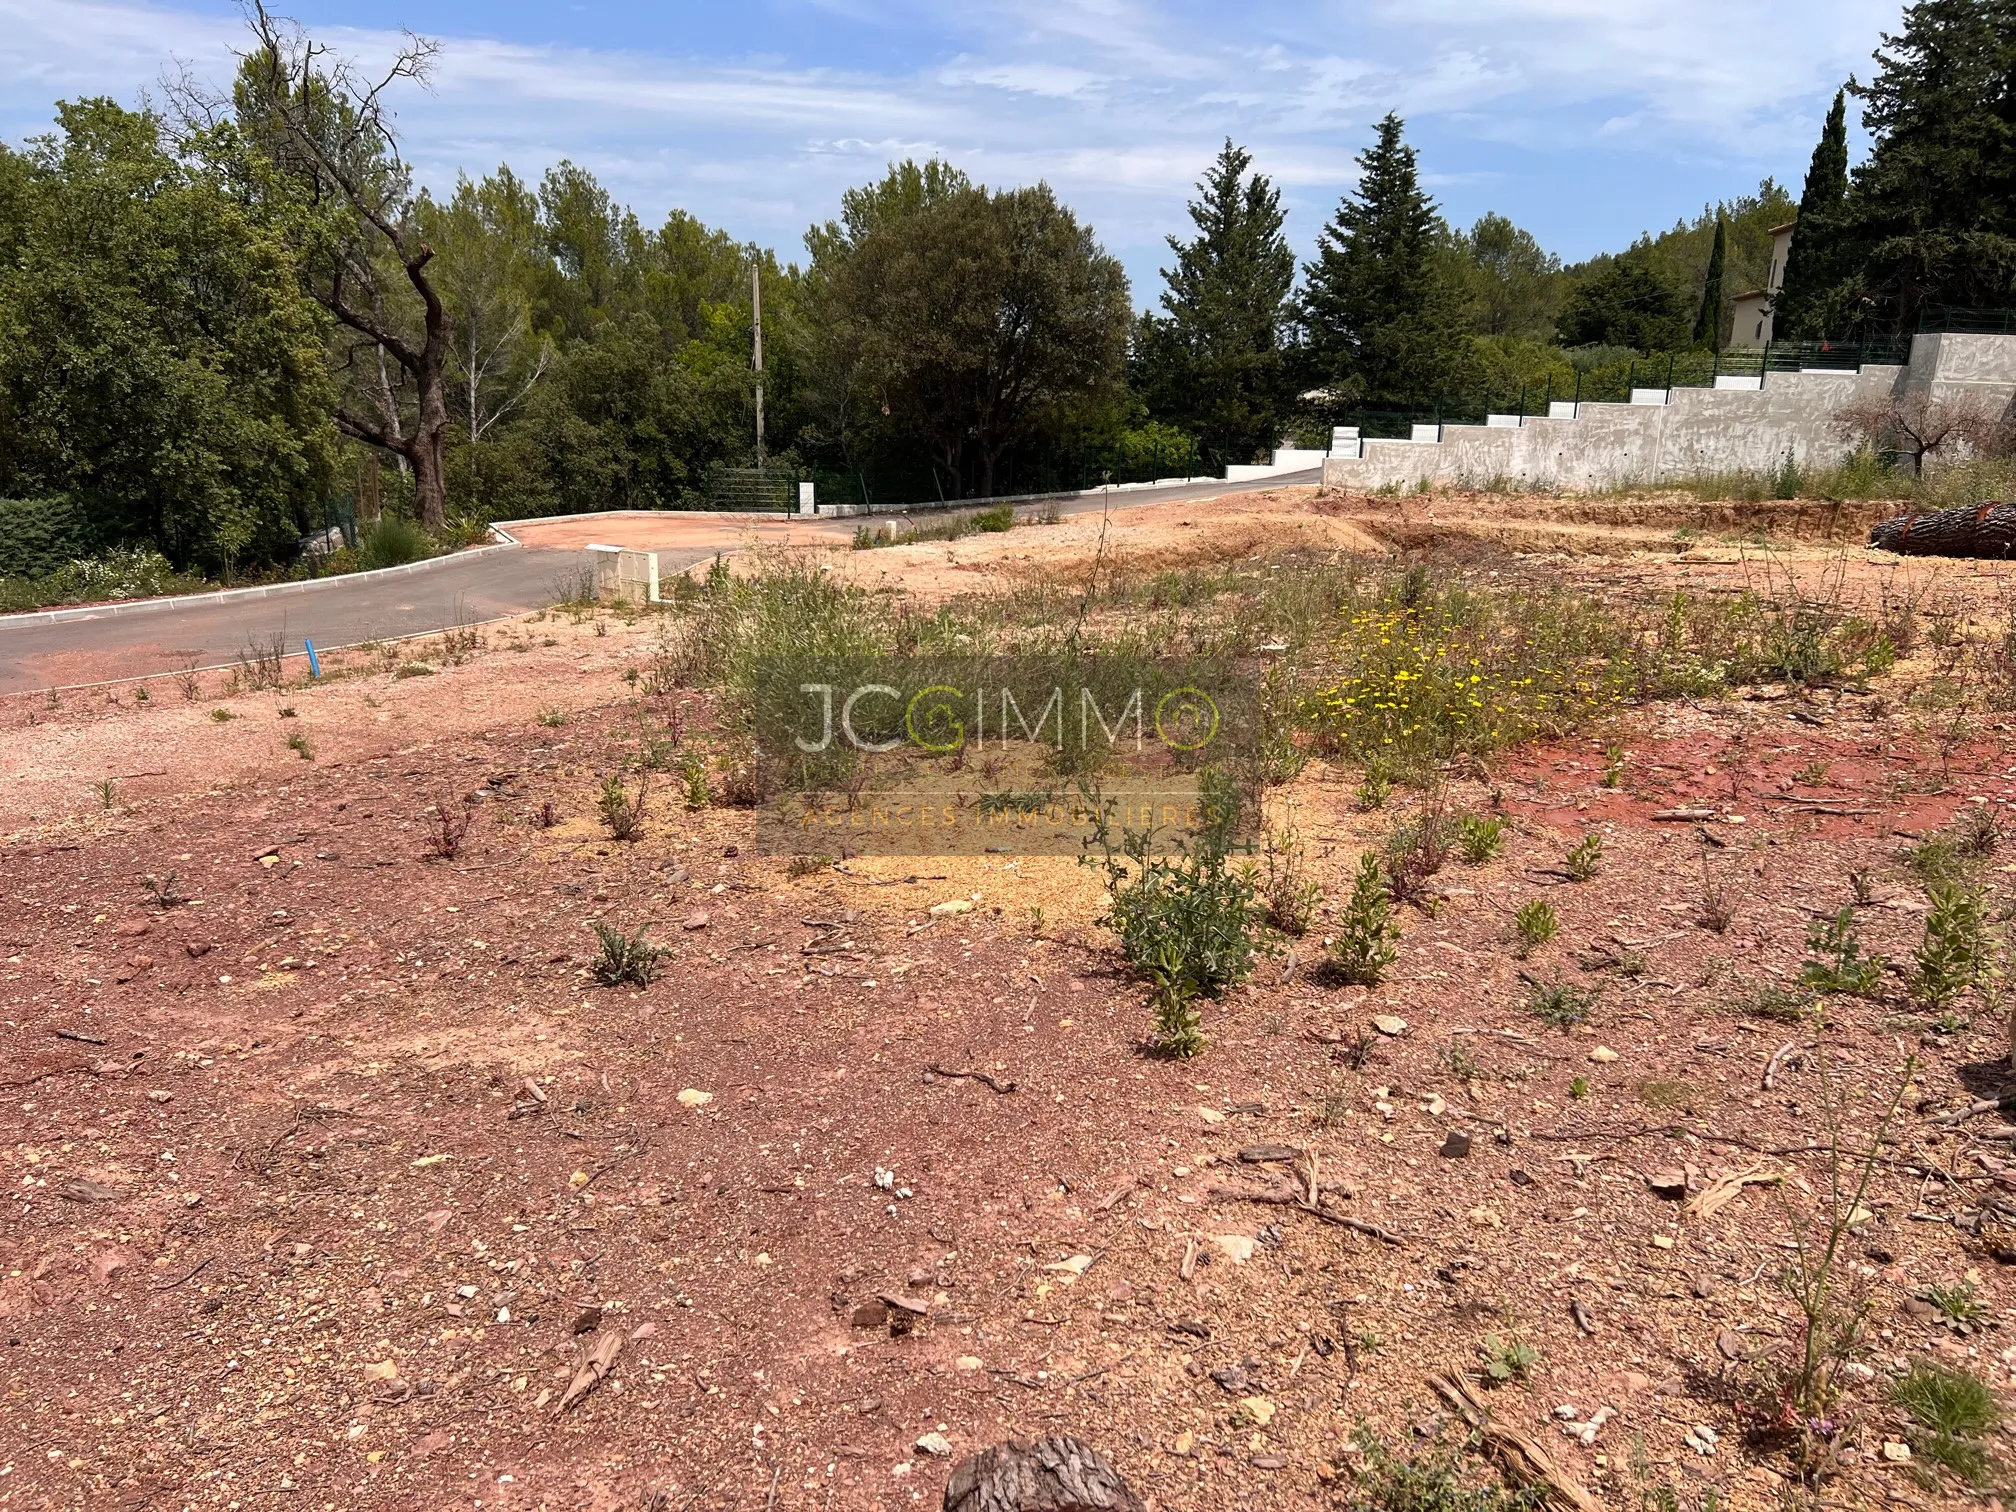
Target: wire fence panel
752	488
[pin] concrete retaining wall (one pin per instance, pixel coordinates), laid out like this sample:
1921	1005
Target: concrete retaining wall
1667	434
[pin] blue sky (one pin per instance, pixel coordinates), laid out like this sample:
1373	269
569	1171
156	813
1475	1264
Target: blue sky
1587	121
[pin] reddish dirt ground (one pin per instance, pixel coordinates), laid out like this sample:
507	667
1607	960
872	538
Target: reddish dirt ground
314	1176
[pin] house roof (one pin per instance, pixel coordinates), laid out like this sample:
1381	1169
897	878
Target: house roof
1786	227
1750	294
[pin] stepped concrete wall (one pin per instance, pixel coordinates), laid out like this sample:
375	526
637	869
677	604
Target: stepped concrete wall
1677	433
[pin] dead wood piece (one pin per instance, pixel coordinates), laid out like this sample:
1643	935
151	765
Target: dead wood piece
1684	815
1972	530
1112	1198
1787	1057
75	1038
1291	1194
1002	1087
595	1366
1523	1458
1054	1474
1961	1115
77	1189
1722	1191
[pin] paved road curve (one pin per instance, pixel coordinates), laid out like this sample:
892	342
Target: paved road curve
344	611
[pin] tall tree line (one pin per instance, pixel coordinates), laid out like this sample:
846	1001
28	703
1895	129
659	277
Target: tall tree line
210	317
1928	218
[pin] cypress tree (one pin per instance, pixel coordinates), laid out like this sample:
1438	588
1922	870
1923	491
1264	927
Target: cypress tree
1708	322
1213	363
1813	263
1383	312
1931	214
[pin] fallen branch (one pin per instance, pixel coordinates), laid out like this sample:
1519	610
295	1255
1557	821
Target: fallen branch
1723	1190
201	1266
1004	1088
595	1367
1288	1194
1524	1460
1788	1054
1983	1105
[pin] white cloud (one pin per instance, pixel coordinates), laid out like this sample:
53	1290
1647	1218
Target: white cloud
1118	104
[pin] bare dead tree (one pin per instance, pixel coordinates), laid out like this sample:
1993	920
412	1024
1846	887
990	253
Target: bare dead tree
327	127
1918	426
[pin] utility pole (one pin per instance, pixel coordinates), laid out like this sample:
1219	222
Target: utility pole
756	358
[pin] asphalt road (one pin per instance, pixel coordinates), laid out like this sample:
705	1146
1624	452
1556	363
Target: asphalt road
345	611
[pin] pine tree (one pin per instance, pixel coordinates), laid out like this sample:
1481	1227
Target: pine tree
1931	214
1813	264
1383	311
1708	323
1213	363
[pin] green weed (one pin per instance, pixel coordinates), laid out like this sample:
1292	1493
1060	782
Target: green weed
1559	1004
1955	953
625	958
1583	860
1479	838
1952	1412
1533	926
1838	964
1367	940
621	810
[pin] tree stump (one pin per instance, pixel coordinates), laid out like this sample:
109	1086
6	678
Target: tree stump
1974	530
1055	1474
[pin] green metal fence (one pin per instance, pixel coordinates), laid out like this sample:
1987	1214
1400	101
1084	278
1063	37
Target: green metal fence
1954	318
767	489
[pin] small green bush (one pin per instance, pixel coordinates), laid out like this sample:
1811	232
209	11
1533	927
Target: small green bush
1955	951
1366	942
1185	920
1479	838
1507	1357
1838	964
1951	1413
392	542
622	810
1533	926
1585	858
1559	1004
625	958
39	537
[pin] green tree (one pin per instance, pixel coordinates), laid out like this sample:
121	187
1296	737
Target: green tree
1931	213
967	324
1708	319
1626	302
1812	265
1383	313
1515	283
158	361
1213	364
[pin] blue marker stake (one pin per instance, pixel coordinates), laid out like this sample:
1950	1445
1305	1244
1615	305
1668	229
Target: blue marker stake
314	665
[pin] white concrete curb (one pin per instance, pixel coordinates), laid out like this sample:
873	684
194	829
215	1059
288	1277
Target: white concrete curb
117	607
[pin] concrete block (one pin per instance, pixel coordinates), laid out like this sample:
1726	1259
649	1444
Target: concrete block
624	574
807	504
1505	422
1561	409
1426	433
1648	396
1737	383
